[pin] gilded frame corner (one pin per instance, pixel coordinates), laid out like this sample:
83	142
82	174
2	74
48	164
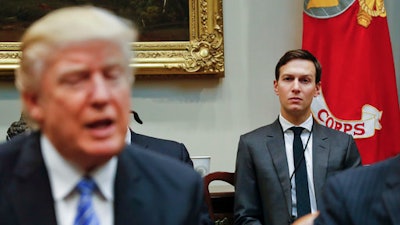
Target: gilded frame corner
201	56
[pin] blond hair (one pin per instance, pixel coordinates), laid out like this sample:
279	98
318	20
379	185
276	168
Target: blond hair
67	26
64	27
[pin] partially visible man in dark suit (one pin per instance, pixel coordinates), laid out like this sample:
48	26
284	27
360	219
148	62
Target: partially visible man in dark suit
281	168
369	195
75	80
168	148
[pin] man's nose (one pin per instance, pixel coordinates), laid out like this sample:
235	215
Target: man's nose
296	85
100	89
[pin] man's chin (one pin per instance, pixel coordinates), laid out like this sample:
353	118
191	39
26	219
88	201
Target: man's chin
104	148
296	110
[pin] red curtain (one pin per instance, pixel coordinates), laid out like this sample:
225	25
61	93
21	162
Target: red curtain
359	93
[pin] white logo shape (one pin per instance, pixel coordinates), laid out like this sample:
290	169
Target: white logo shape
363	128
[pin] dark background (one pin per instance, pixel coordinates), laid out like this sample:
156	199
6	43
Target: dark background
157	20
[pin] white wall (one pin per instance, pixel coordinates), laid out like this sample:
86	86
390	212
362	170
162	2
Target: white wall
208	116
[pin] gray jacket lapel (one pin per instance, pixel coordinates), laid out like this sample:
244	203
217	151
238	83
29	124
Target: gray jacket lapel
276	147
30	191
320	159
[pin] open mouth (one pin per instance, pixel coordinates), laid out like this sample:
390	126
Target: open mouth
100	124
101	129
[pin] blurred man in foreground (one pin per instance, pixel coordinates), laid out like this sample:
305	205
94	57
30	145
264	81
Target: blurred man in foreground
75	80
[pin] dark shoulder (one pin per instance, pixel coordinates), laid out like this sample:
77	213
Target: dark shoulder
142	139
11	154
151	160
154	142
368	174
379	167
158	170
170	148
10	150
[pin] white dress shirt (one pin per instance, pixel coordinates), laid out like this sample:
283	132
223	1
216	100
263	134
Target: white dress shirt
289	137
64	177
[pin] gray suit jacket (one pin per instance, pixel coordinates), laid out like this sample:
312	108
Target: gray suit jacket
263	190
149	188
368	195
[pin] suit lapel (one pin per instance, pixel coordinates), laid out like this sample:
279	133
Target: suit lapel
320	159
30	190
129	191
391	195
276	147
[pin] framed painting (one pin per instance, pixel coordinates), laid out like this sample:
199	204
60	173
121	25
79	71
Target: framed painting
178	38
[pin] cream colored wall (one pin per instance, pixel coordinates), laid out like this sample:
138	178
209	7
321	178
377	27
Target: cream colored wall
208	116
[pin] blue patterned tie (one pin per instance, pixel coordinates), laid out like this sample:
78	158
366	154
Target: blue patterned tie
302	194
85	213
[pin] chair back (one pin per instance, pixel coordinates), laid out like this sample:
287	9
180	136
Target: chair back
220	207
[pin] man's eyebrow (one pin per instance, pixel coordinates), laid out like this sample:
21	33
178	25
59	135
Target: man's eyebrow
113	62
71	68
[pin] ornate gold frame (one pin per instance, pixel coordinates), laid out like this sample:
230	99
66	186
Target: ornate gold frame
201	56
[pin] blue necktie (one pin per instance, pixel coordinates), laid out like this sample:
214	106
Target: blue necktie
302	194
85	212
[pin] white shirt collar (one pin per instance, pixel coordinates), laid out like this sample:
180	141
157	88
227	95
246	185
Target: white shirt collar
286	124
128	137
64	175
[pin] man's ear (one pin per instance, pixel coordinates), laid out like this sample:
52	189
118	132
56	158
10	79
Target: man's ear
317	89
276	87
32	105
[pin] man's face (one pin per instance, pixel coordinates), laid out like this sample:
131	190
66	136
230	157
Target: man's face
84	101
296	88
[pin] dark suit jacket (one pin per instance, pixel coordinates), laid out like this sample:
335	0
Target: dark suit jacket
263	189
172	149
149	188
369	195
166	147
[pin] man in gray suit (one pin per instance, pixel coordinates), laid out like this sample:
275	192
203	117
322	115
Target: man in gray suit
268	181
75	84
368	195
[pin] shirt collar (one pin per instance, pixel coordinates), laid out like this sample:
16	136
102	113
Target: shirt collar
286	124
128	137
64	175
